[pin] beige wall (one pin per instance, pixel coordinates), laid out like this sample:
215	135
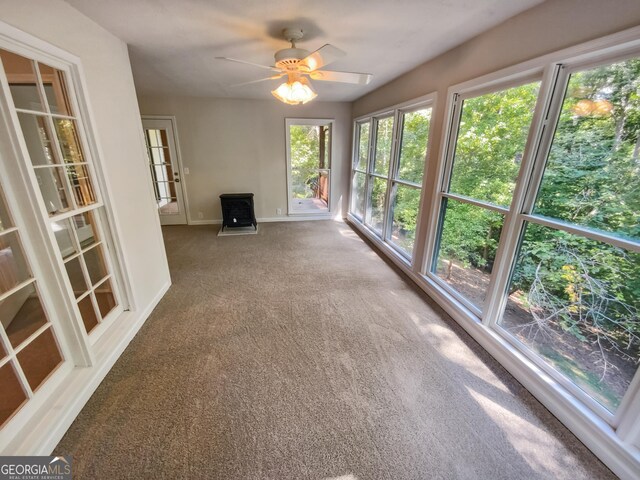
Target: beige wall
233	145
550	26
111	95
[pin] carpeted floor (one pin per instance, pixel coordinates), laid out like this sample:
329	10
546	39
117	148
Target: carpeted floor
298	353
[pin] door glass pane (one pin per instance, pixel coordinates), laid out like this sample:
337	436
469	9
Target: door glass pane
405	217
105	298
384	140
156	137
358	195
67	132
576	303
76	277
55	89
88	313
375	213
363	146
491	138
13	266
39	358
160	156
81	185
22	314
94	259
53	188
413	147
64	237
12	395
86	228
37	136
468	241
22	81
591	176
309	167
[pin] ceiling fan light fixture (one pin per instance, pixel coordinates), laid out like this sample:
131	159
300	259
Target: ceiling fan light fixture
295	91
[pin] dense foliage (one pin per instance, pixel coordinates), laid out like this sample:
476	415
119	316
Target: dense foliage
305	158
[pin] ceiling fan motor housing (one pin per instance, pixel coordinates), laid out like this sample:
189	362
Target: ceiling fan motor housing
288	58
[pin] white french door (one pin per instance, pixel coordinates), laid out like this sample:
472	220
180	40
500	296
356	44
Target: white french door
165	169
59	275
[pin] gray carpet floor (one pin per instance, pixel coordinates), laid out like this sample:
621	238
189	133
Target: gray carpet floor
299	353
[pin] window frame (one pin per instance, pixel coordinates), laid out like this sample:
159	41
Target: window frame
456	99
355	156
397	113
372	175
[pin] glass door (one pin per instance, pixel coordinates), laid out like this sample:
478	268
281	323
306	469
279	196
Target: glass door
309	166
62	173
165	170
30	352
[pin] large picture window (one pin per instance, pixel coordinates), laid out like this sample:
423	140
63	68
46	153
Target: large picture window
573	299
387	173
491	132
567	292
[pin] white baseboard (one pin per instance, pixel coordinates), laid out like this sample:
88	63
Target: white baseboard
621	457
283	218
49	424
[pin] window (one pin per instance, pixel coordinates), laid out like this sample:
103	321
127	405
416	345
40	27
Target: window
388	165
573	299
63	173
309	166
360	161
379	173
567	293
406	183
491	132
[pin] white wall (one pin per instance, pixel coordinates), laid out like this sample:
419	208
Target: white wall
234	145
112	97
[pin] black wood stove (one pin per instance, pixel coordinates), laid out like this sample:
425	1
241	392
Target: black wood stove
237	210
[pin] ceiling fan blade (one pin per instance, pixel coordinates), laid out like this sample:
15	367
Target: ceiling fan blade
344	77
274	69
321	57
275	77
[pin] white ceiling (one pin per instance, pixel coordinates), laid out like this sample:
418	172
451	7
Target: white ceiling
172	43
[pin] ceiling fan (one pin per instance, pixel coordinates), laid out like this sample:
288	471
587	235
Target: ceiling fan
297	64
